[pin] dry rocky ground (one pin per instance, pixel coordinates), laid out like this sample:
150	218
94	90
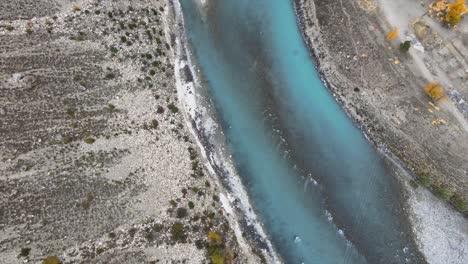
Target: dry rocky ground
97	164
382	89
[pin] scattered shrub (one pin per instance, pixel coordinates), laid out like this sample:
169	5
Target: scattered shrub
51	260
214	238
191	205
110	76
425	180
70	112
99	251
7	27
154	124
173	108
459	203
132	231
89	140
160	110
181	212
76	8
192	152
178	232
110	107
67	139
216	257
173	203
405	46
24	252
442	192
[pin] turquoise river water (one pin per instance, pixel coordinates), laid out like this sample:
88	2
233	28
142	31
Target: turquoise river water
323	193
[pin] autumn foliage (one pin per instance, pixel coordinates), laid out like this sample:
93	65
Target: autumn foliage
393	34
435	91
449	13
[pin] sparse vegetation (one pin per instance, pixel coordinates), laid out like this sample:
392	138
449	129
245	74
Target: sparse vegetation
110	76
24	252
67	139
214	238
178	232
154	124
89	140
191	205
173	108
70	112
405	46
424	180
442	192
51	260
7	27
160	110
459	203
216	257
181	212
110	107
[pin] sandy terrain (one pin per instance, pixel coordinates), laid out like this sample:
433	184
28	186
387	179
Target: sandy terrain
97	163
382	90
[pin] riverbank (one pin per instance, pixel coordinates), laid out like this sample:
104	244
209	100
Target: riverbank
97	163
202	119
380	89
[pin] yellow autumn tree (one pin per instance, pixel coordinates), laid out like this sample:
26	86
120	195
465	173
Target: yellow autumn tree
392	34
447	12
435	91
455	11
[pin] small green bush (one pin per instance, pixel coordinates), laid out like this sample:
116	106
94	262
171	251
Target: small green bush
459	203
7	27
51	260
89	140
425	180
442	192
217	258
173	108
24	252
178	232
67	139
110	107
70	112
405	46
191	205
154	124
110	76
181	212
160	110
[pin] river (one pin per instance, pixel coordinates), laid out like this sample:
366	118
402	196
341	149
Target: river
322	192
